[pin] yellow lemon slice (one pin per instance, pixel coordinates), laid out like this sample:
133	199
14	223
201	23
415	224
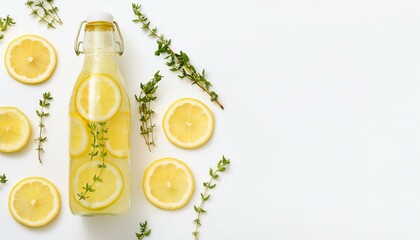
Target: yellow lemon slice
34	202
119	135
188	123
106	192
14	129
79	138
168	183
98	98
30	59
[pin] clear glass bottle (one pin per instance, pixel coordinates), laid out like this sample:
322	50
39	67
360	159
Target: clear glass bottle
99	124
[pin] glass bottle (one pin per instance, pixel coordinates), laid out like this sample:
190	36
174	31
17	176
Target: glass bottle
99	115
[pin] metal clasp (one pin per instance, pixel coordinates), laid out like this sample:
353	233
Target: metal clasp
78	43
121	43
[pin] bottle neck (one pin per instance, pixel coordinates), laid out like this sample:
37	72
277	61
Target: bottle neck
99	39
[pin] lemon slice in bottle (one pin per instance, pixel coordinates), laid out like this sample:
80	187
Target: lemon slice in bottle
98	98
106	191
118	128
79	138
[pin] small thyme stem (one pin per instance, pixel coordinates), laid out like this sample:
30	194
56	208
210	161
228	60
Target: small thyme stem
205	196
4	24
151	124
44	103
200	211
99	141
48	15
144	231
192	75
39	149
54	10
176	61
145	98
41	19
3	178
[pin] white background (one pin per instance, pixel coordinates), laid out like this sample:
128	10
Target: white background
322	119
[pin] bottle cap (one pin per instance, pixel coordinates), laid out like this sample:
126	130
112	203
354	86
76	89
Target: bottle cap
100	17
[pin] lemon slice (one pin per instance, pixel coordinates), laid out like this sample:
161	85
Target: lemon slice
188	123
14	129
98	98
106	192
34	202
78	136
30	59
168	183
119	135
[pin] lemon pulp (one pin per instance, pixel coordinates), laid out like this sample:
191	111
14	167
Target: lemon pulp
78	136
118	145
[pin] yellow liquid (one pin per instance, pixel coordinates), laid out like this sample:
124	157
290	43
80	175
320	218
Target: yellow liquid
99	68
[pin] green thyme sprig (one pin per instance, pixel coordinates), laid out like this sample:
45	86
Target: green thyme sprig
144	231
44	103
205	196
3	178
98	132
175	61
4	24
145	98
45	11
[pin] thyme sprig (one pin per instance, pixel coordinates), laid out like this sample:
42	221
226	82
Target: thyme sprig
45	11
4	24
175	61
144	231
44	103
145	98
205	196
3	178
98	132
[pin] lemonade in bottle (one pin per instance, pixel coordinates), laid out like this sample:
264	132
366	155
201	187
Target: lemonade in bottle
99	124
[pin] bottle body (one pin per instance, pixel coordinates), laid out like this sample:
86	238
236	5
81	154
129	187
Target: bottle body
99	113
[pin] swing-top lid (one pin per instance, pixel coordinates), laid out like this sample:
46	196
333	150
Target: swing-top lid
100	17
